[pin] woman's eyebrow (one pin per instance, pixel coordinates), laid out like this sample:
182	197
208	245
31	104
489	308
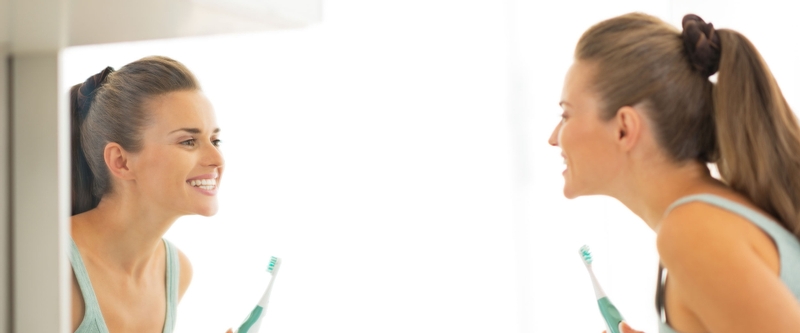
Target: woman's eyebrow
193	130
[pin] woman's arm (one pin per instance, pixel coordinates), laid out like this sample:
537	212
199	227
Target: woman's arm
719	275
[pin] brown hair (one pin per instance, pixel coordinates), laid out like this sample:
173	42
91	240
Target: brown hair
742	123
108	107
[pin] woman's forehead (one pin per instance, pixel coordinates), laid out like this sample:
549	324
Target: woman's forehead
190	109
577	83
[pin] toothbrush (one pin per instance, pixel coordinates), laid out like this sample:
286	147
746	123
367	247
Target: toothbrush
253	321
607	309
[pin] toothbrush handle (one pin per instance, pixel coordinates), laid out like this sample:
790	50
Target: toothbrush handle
250	324
610	314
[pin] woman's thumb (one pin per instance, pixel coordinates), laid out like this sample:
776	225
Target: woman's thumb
624	328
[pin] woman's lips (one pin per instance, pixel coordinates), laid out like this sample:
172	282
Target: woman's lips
205	176
206	191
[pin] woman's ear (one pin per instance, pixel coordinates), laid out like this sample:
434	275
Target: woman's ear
629	127
117	161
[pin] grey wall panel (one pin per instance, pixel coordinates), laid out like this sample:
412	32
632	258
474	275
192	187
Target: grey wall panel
5	246
40	205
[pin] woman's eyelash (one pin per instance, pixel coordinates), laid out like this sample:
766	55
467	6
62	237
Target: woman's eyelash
193	142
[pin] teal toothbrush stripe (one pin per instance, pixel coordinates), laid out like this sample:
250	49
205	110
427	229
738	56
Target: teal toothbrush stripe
610	314
251	320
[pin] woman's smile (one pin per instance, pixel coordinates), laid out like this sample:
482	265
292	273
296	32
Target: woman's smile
205	184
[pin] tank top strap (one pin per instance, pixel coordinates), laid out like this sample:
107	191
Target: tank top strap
93	321
761	220
173	283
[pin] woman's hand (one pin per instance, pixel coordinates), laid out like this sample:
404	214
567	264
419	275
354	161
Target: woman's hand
624	328
230	330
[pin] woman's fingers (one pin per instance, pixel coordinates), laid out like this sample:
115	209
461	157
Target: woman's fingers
624	328
230	330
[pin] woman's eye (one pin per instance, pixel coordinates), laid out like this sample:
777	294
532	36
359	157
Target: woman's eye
216	142
189	143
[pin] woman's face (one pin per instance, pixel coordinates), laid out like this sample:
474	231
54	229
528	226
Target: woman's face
180	165
587	142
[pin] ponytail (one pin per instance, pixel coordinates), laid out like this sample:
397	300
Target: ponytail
757	134
82	178
83	198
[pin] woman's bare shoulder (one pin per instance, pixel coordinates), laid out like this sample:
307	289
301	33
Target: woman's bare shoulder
717	270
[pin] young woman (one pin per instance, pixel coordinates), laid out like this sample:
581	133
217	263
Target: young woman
144	152
642	120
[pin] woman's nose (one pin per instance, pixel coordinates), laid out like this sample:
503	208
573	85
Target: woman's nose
553	141
213	156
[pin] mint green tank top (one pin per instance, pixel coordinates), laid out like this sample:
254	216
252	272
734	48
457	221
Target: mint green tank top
93	319
787	244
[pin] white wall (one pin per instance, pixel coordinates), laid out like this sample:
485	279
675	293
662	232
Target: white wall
370	152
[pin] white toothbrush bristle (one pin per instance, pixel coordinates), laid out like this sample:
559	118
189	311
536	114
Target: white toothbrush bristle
274	264
586	254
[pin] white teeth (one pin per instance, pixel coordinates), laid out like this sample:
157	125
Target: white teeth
208	184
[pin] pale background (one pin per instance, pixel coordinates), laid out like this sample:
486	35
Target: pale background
395	157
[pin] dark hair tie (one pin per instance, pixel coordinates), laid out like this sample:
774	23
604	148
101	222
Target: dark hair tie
88	88
702	44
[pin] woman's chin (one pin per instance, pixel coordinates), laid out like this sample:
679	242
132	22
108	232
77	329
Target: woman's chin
208	210
209	213
569	195
570	192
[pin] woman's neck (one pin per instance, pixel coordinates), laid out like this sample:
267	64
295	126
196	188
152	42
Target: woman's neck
651	189
122	233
